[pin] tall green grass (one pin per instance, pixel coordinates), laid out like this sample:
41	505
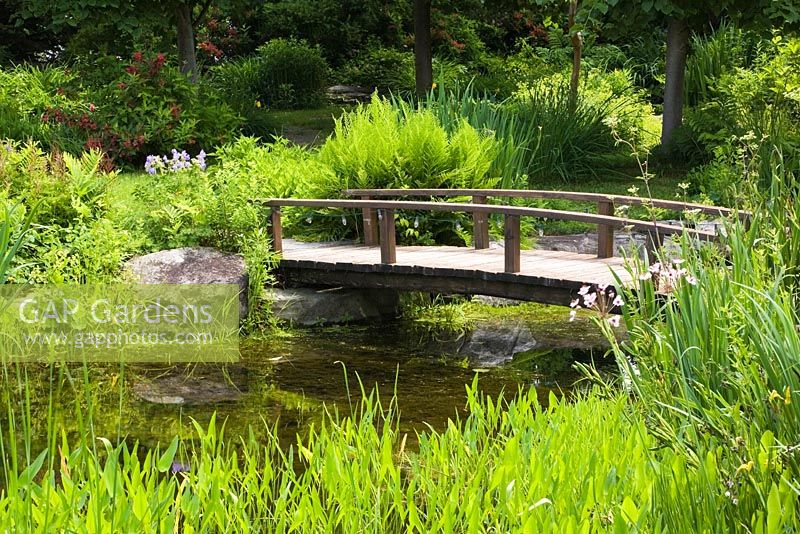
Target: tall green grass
541	137
712	56
13	229
715	363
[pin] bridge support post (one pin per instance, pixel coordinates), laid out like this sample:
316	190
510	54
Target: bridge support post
370	218
605	232
512	244
276	229
480	225
388	238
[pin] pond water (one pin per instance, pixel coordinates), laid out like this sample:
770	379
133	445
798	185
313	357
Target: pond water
290	380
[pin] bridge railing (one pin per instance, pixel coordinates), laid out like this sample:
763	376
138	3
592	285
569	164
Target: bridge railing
381	215
605	206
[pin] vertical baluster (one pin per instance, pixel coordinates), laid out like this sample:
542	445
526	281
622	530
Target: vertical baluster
480	224
388	238
276	229
370	217
605	232
512	244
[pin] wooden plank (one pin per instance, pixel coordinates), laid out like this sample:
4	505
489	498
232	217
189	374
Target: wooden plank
512	243
557	265
388	236
442	282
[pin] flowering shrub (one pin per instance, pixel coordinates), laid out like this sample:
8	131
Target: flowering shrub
219	38
126	109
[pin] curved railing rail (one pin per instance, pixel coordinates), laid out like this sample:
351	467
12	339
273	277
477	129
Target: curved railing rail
379	216
605	206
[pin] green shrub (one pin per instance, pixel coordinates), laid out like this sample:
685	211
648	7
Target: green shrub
386	69
736	105
219	206
502	76
291	75
237	82
379	145
390	70
711	57
338	27
26	93
71	239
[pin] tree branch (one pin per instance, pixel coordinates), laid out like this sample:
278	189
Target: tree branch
202	13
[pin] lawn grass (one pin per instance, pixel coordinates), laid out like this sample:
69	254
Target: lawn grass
305	126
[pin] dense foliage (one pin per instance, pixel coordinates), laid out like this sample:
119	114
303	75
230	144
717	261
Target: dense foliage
126	109
699	433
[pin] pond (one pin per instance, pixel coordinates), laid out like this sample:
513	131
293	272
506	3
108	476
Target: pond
288	381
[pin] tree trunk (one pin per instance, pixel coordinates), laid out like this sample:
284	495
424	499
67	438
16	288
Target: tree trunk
677	50
423	59
187	56
577	52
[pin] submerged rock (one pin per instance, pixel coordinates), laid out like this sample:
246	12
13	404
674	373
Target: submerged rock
496	302
490	345
309	307
185	390
192	265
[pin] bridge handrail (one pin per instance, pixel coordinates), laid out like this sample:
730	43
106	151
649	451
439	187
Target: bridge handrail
578	196
380	213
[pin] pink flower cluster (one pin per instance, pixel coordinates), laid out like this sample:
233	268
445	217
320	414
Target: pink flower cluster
667	276
602	298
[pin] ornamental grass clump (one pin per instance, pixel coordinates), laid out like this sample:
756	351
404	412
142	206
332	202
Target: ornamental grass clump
713	353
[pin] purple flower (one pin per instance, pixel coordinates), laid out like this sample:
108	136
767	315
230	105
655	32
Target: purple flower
200	161
153	164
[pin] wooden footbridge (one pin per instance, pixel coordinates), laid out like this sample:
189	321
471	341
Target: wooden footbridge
496	269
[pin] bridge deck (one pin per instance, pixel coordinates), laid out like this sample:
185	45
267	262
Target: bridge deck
546	276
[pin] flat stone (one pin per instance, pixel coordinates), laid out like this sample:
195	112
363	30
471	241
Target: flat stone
192	265
179	390
309	307
587	243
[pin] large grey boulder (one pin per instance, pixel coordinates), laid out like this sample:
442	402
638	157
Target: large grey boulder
495	344
192	265
309	307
